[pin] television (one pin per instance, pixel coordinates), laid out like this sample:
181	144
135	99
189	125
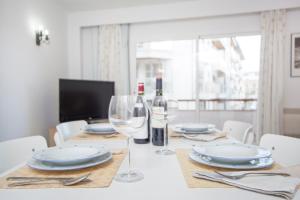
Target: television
84	99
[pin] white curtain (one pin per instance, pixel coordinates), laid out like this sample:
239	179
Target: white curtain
104	52
89	53
270	98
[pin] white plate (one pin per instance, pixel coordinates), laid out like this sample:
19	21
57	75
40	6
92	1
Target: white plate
180	130
68	155
35	164
258	164
100	132
100	128
195	127
232	153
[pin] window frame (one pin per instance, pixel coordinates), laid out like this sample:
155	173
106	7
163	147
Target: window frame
133	74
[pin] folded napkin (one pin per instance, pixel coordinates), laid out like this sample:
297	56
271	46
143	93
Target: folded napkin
281	186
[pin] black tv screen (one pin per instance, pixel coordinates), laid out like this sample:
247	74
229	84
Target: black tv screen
84	100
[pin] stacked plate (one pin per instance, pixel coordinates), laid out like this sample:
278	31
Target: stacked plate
69	158
100	129
232	156
194	128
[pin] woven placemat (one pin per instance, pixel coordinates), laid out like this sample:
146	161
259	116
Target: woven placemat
101	175
94	137
188	166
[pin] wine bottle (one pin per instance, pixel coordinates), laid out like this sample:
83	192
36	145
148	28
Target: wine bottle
144	137
159	109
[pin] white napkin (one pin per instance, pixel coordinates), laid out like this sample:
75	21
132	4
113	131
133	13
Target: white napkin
281	186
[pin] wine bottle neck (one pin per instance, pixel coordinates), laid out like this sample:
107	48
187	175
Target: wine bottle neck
141	89
159	92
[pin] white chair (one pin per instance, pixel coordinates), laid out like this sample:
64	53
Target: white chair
57	140
68	129
17	151
241	131
285	150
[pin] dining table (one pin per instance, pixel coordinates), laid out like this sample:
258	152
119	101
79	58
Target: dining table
163	179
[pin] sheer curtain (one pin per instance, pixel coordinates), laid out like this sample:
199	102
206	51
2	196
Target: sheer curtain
104	55
89	53
271	74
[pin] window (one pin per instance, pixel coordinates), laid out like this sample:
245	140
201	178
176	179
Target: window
218	73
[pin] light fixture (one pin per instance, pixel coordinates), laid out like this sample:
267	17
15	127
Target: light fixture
42	36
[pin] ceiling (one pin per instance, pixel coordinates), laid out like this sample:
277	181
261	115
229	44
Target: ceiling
83	5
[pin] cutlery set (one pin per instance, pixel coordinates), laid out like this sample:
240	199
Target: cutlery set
66	181
269	182
241	174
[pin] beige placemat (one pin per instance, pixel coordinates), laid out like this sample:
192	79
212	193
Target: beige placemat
101	175
86	136
188	166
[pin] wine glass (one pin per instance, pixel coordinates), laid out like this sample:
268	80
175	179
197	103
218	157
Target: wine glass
128	115
169	115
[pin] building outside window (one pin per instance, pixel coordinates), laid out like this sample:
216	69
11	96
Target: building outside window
218	73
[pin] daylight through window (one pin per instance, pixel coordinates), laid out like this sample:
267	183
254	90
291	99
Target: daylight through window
213	73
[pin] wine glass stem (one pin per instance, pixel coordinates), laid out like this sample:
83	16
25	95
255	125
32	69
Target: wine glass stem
129	159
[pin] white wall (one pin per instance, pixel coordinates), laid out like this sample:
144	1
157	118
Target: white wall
292	84
28	73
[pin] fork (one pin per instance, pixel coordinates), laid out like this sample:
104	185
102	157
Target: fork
22	181
239	175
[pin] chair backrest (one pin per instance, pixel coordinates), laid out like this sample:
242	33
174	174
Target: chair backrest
285	150
239	130
17	151
57	139
68	129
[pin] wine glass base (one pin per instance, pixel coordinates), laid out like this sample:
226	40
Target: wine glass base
129	177
165	152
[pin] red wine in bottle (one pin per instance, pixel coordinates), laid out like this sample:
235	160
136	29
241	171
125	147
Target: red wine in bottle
144	137
159	108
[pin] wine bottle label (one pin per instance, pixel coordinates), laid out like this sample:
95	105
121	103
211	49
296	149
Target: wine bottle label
139	123
138	105
158	117
143	134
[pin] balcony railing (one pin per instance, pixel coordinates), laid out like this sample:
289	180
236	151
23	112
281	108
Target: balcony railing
219	104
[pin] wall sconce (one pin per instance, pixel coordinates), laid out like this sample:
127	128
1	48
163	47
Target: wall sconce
42	36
